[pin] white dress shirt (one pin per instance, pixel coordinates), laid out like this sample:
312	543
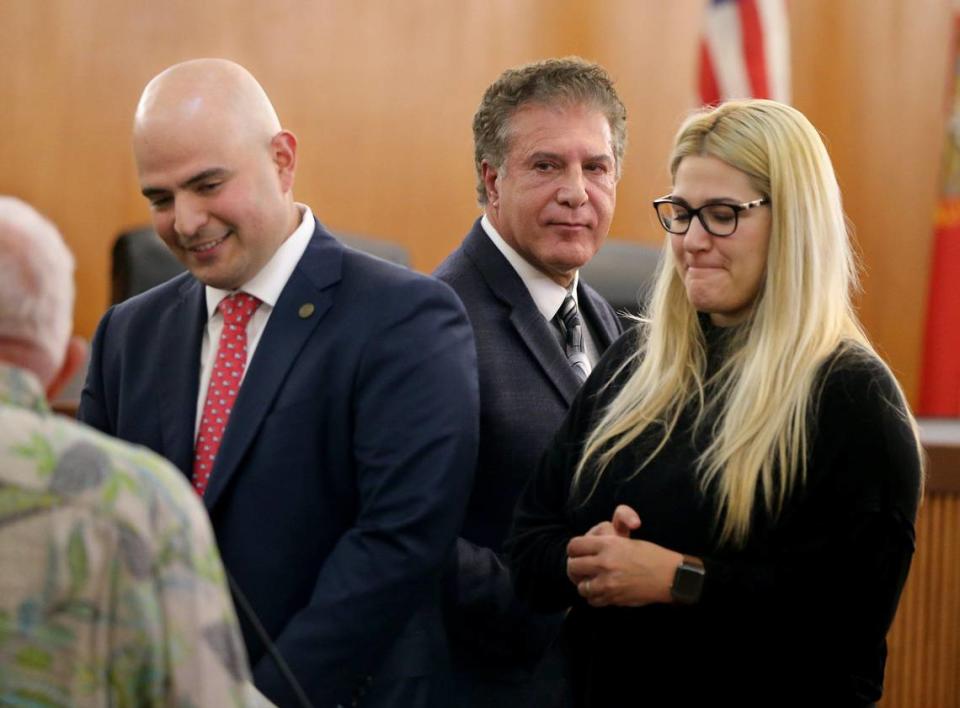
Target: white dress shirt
547	294
266	285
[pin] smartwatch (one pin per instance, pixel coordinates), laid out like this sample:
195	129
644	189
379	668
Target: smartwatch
688	581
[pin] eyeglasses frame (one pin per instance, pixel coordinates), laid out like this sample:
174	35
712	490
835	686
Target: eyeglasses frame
737	208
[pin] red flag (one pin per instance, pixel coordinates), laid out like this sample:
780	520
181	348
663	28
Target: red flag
940	376
745	51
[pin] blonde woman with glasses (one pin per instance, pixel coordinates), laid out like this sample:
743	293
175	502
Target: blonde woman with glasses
729	507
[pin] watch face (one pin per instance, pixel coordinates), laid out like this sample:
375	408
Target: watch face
688	582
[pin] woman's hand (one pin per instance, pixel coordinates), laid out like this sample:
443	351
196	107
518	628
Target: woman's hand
610	568
624	521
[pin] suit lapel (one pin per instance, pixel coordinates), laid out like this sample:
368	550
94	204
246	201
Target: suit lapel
526	319
180	332
285	335
605	327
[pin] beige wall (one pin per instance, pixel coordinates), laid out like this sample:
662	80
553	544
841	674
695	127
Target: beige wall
381	94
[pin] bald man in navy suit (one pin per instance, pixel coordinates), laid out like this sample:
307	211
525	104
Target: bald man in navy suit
341	470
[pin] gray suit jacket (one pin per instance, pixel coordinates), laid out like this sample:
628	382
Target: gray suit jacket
526	387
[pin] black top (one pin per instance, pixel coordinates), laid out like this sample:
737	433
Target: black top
797	616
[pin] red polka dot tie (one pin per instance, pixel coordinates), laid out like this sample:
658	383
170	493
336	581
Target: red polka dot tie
228	368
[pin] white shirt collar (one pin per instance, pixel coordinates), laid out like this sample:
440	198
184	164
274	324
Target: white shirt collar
547	293
269	282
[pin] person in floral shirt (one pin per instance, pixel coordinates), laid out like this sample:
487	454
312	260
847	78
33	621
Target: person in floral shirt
111	588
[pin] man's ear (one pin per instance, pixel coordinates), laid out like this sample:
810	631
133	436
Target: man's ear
283	150
73	360
490	185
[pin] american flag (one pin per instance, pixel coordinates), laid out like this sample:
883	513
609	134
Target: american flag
745	51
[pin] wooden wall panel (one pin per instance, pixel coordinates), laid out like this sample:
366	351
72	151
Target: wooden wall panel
872	76
923	668
381	95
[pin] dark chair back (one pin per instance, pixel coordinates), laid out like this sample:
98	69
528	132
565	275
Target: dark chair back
623	272
387	250
141	260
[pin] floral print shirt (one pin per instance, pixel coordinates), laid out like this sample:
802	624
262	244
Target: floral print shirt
111	588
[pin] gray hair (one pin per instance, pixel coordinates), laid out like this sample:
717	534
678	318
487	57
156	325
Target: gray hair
36	280
567	81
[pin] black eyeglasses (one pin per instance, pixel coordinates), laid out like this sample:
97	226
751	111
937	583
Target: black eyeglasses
718	219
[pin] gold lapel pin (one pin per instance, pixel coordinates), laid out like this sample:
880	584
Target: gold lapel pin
306	309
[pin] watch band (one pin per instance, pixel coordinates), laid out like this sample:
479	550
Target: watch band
688	581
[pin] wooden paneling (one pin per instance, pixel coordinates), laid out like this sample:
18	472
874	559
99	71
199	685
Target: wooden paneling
381	95
923	667
872	76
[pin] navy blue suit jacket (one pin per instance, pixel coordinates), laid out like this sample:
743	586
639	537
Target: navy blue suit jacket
526	387
343	474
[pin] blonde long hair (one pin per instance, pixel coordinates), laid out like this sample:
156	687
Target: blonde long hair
760	398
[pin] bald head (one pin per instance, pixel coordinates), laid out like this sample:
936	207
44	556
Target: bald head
207	89
36	290
217	169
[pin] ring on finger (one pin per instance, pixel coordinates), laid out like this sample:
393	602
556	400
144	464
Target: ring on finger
586	586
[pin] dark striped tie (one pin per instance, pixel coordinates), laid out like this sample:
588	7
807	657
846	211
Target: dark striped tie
568	319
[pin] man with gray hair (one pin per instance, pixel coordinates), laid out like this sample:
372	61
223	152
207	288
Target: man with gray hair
549	141
105	553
